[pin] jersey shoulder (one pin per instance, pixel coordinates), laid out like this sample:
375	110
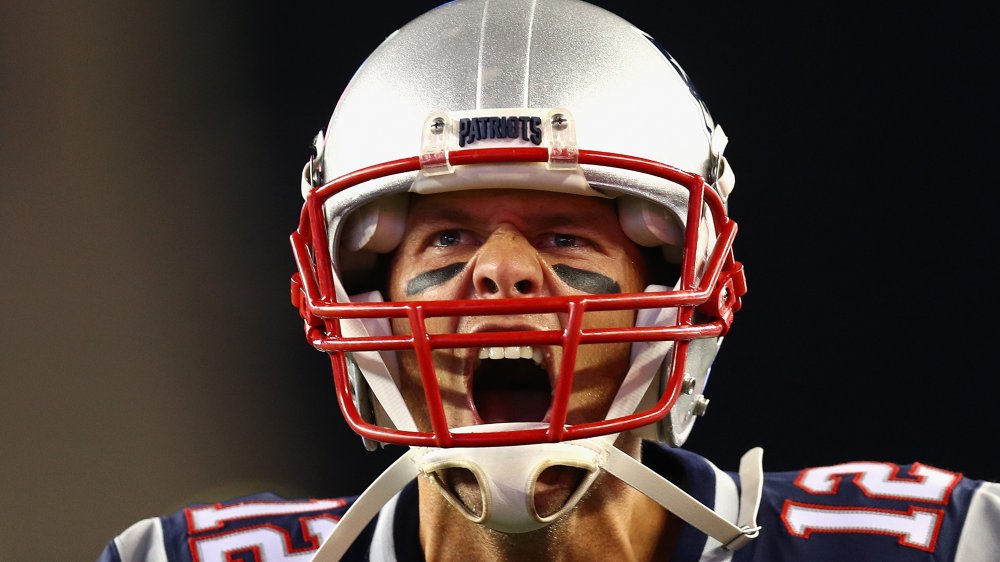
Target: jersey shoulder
261	527
866	510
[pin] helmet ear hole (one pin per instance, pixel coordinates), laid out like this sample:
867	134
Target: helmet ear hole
648	224
377	226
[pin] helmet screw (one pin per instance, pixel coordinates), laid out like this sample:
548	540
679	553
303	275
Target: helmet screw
687	387
559	121
437	125
700	405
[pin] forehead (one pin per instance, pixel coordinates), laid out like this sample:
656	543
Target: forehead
520	206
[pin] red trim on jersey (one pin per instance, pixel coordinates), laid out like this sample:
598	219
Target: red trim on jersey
313	540
189	512
254	550
912	478
307	535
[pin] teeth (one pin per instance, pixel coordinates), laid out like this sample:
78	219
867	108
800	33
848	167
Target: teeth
512	352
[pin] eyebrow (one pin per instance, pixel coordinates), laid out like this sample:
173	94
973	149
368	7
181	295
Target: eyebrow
451	214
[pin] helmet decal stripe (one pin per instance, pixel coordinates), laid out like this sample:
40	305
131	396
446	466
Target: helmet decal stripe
432	278
504	49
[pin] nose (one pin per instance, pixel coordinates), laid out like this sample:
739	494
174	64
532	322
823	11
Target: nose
507	266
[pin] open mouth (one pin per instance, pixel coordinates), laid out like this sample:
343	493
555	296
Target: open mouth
511	384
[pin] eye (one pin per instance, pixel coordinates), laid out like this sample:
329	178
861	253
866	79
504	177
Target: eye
447	238
564	241
560	240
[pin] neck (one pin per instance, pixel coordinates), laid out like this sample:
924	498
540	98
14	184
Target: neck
612	517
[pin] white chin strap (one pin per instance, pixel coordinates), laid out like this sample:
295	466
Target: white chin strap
507	476
507	501
698	515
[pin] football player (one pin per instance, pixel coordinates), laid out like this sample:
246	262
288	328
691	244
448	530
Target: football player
516	250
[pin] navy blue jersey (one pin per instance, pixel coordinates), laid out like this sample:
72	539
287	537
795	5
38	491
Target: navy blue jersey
857	511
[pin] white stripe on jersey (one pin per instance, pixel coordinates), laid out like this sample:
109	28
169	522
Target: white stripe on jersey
383	545
727	504
980	540
142	541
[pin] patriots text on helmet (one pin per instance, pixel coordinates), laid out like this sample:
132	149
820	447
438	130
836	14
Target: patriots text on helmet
525	127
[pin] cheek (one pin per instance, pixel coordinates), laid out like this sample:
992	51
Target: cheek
397	281
411	387
599	374
629	266
609	319
633	275
435	325
400	326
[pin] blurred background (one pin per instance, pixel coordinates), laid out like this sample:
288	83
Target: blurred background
149	163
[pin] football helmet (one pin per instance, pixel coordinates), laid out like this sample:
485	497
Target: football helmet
553	95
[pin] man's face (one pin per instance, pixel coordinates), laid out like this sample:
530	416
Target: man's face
503	243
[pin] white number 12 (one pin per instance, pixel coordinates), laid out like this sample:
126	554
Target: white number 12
916	527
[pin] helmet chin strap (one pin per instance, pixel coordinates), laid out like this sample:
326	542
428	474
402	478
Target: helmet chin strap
692	511
508	493
508	476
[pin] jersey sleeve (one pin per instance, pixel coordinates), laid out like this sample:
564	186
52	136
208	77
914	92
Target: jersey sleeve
262	527
867	511
980	539
142	542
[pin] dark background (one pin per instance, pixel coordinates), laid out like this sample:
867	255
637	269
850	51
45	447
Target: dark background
150	155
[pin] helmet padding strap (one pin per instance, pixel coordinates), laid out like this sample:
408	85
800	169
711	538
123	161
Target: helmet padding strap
646	361
377	367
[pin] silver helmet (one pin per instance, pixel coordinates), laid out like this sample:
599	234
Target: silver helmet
552	95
